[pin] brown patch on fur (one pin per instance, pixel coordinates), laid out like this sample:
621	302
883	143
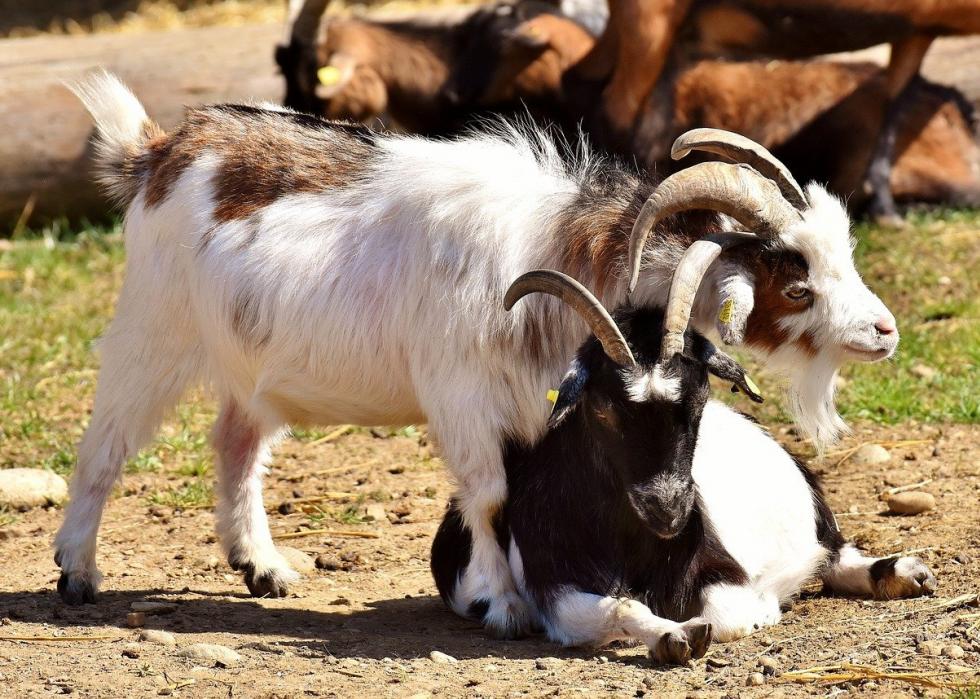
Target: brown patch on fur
262	154
773	272
808	343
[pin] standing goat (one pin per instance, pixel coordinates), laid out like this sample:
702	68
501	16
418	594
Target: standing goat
317	272
647	512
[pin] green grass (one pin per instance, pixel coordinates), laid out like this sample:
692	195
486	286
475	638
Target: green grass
58	287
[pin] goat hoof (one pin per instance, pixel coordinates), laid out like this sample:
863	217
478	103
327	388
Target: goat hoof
75	590
903	577
507	618
267	584
699	638
682	645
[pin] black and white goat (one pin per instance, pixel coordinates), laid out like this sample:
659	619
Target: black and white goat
647	512
316	272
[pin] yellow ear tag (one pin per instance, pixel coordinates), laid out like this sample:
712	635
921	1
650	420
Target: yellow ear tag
553	396
751	384
328	75
725	315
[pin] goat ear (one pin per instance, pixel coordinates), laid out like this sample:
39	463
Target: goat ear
569	393
726	368
529	36
737	294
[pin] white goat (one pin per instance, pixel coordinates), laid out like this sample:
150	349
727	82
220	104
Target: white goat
316	272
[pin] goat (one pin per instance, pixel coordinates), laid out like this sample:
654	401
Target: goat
648	513
643	38
317	272
524	56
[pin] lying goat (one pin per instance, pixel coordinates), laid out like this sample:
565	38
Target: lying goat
626	520
316	272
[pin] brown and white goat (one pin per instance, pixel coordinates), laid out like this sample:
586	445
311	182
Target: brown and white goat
642	38
317	272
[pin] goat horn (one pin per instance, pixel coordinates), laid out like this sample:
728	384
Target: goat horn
303	20
740	149
736	190
582	301
693	265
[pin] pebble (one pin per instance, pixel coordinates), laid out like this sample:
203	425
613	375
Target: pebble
134	620
548	663
910	503
954	652
871	454
298	560
222	656
924	372
152	607
163	638
717	662
755	679
376	513
327	562
24	488
649	682
287	508
931	648
770	666
443	658
131	650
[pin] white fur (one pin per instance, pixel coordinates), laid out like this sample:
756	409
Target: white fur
657	384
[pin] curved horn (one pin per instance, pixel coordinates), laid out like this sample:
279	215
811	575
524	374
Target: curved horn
582	301
735	190
684	285
740	149
303	20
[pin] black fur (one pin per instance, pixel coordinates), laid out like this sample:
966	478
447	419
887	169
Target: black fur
828	533
582	506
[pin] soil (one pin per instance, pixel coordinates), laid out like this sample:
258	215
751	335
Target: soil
368	628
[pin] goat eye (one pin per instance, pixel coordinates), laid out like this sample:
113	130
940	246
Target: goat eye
797	293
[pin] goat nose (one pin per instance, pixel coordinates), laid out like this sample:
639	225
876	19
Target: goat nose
885	325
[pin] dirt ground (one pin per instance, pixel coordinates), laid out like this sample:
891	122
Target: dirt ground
368	628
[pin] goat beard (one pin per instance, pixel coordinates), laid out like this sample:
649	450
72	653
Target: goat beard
812	389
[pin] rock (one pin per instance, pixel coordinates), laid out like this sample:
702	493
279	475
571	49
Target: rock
287	508
376	513
871	454
24	488
924	372
298	560
755	679
442	658
548	663
327	562
649	682
770	666
222	656
150	607
910	503
715	661
134	620
163	638
944	281
931	648
954	652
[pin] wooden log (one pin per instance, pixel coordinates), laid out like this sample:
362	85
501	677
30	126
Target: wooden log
44	130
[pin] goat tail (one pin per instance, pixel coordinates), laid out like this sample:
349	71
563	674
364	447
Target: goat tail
122	130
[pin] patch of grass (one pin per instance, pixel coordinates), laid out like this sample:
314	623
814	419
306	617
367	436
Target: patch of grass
196	493
7	517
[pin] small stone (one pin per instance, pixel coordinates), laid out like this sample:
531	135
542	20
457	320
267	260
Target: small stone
954	652
327	562
221	656
24	488
910	456
962	558
376	513
924	372
340	602
944	281
149	607
437	656
755	680
212	563
131	650
287	508
931	648
298	560
717	661
770	666
871	454
548	663
936	451
134	620
163	638
649	682
910	503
